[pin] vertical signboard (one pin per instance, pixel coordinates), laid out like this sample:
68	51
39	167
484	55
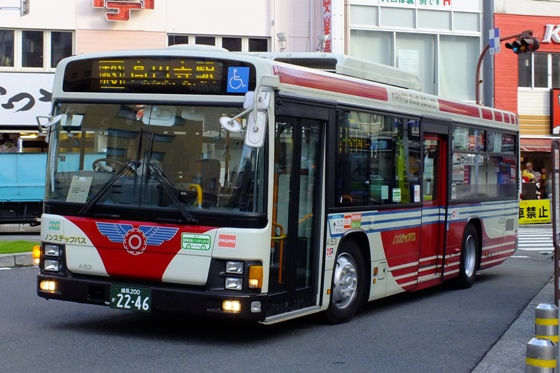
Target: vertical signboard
556	215
555	111
327	24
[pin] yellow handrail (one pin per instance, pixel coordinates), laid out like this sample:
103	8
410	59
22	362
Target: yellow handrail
198	190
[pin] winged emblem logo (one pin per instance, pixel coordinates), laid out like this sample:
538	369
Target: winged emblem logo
135	240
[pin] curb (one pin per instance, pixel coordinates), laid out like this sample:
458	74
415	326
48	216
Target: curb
16	260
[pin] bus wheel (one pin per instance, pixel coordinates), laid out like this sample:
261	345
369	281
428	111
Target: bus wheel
348	284
469	258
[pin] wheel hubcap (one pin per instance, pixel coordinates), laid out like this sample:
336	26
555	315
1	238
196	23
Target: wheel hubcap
470	256
345	281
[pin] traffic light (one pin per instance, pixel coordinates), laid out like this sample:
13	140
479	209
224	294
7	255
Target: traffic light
23	7
526	43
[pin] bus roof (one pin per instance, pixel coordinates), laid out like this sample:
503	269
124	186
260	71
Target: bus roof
328	75
350	66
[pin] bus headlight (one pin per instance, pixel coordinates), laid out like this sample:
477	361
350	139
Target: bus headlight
234	267
234	283
51	265
52	250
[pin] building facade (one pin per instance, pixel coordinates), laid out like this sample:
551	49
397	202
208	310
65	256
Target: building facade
439	40
529	83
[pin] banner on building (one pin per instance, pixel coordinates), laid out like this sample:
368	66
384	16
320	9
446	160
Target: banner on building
24	96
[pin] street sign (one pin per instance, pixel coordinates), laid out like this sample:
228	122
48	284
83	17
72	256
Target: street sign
494	38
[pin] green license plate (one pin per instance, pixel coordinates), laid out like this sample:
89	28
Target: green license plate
130	298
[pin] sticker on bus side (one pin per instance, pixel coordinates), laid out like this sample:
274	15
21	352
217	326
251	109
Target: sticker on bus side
238	79
227	240
340	223
195	241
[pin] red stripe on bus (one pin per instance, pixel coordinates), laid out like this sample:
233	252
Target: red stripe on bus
459	108
498	116
487	114
332	84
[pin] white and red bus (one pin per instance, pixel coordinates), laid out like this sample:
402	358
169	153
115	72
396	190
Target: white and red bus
205	182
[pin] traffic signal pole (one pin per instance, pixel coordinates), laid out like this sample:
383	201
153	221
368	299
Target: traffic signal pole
479	64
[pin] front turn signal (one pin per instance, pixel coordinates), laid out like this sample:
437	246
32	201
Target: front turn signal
255	277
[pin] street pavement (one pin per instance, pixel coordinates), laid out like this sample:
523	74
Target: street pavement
508	355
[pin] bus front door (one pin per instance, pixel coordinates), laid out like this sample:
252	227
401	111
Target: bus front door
294	244
434	211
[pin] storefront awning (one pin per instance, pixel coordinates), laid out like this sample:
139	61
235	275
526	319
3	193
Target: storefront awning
535	145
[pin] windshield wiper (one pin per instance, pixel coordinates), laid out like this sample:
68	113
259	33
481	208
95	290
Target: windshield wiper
129	166
170	191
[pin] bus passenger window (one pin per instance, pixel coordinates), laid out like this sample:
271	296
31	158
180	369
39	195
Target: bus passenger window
377	160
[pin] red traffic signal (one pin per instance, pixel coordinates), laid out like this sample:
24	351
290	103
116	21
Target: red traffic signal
526	43
530	44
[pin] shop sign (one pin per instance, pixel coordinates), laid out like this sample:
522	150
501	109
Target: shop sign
23	97
120	10
474	5
327	24
534	211
551	34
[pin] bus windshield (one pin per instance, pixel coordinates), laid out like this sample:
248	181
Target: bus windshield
151	157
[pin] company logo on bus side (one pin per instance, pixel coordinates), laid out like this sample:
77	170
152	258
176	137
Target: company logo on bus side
414	99
135	240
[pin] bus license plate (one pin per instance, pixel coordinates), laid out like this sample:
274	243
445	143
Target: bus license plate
130	298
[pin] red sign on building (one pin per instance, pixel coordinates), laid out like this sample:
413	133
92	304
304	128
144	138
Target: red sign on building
122	8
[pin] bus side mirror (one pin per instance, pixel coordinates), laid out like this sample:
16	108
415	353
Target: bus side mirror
256	129
43	127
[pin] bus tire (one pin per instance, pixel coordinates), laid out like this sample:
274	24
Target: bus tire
469	258
348	283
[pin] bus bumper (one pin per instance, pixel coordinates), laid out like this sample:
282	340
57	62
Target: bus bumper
164	297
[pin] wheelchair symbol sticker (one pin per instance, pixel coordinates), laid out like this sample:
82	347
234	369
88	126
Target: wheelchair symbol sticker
238	79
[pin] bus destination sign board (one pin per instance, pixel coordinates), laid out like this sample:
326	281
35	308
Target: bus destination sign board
167	74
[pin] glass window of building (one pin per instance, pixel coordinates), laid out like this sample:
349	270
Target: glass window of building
32	49
61	46
232	44
177	39
6	48
539	70
258	45
205	40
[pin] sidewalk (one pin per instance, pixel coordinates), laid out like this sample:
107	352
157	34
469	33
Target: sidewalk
508	354
18	232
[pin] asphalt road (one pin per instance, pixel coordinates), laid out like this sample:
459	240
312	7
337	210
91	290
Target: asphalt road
436	330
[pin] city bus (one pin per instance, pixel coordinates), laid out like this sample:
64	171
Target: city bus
266	187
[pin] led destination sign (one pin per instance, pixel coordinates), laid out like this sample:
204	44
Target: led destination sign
169	74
